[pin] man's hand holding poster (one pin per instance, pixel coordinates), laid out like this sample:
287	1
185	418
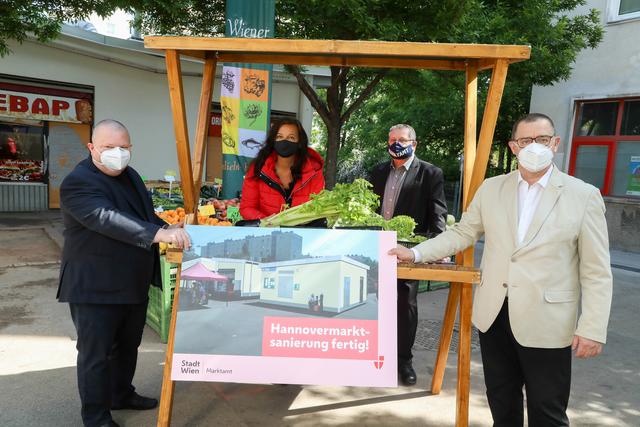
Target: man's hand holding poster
294	306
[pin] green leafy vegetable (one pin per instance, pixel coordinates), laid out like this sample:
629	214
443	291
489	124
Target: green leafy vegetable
347	205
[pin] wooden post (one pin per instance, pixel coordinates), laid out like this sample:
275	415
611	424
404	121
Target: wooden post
445	337
464	357
174	76
489	119
166	395
202	128
448	322
470	129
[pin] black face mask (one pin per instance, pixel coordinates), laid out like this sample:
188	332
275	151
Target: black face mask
285	148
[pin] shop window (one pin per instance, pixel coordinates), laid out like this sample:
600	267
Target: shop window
622	10
597	118
626	176
269	283
631	118
606	146
22	152
591	164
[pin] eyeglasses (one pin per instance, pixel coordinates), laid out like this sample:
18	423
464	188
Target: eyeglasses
542	139
402	141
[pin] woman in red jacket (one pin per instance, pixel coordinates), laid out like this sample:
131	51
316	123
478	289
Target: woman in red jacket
285	172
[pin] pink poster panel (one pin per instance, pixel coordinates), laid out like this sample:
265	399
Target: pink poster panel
287	306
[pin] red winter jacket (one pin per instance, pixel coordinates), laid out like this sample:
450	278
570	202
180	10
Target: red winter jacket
263	195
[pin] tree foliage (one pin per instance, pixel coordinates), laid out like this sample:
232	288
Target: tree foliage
356	116
432	102
420	20
18	18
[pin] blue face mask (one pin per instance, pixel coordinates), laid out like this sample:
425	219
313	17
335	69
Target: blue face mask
399	151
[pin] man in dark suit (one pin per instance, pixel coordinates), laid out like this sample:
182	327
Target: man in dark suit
409	186
109	260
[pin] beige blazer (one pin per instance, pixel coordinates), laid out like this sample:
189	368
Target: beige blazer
562	263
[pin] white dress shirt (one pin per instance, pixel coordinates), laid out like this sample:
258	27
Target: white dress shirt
528	201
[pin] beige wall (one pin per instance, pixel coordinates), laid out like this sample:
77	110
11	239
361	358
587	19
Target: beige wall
610	70
251	280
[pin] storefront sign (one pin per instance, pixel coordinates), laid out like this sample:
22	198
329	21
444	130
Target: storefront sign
633	184
287	306
245	94
215	125
34	106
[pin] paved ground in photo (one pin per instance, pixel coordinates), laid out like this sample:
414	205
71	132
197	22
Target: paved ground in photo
228	327
38	379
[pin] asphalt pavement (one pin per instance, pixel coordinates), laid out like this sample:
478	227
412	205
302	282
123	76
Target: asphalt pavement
38	378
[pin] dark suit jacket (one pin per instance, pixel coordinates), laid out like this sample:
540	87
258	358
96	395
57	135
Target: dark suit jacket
108	255
421	196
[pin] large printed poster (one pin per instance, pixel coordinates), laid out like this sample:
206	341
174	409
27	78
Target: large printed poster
633	182
289	305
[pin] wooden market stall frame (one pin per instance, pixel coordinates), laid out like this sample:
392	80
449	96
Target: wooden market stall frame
467	58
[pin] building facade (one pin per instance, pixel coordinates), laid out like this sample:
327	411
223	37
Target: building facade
597	116
52	93
277	246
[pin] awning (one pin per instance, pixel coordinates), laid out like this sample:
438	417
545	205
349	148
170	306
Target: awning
200	272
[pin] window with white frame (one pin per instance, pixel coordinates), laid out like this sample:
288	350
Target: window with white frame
622	10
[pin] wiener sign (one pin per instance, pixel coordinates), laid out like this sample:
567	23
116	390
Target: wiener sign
34	106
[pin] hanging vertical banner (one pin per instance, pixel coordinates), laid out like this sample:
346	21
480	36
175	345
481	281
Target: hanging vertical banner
245	97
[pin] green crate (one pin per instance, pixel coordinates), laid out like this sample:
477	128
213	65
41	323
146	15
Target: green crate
161	300
431	285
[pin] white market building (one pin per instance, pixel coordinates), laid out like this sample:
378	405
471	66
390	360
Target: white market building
338	282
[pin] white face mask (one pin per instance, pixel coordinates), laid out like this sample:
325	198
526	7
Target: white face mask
116	158
535	157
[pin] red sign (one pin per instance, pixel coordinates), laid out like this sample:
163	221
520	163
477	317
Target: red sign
215	125
37	106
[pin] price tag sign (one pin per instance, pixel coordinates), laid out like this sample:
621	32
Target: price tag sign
233	214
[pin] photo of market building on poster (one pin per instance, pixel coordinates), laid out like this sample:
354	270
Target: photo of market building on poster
234	278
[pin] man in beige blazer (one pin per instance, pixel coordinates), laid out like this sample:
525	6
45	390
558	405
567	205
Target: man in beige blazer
546	254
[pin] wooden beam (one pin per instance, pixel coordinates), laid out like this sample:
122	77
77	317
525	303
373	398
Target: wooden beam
445	337
168	386
435	272
339	47
464	357
470	129
489	119
344	61
199	54
486	64
202	127
174	77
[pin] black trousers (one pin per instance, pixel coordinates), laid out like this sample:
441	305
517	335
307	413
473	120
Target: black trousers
108	340
544	373
407	319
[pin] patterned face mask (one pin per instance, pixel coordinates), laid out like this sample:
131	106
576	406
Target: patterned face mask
399	151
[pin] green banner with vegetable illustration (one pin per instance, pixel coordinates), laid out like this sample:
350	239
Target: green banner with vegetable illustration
245	94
